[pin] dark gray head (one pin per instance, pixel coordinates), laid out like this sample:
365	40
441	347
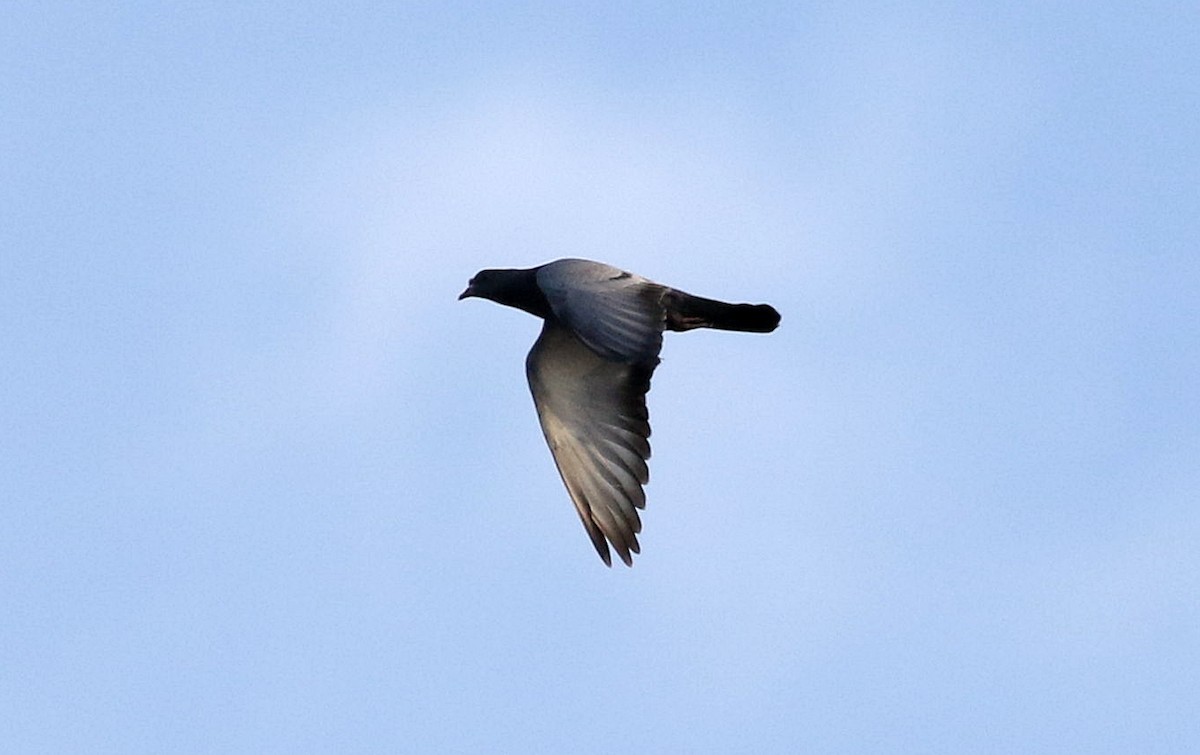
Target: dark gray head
513	288
490	284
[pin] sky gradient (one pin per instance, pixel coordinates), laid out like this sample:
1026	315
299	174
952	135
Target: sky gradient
270	488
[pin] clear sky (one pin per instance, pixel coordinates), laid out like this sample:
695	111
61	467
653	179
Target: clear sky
268	487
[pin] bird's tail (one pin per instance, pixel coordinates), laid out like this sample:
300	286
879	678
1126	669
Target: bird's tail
685	312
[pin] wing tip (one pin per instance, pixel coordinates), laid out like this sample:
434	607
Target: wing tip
625	551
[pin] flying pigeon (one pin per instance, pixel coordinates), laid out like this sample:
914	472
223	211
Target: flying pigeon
589	372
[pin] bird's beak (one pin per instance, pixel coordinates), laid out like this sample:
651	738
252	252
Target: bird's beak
469	292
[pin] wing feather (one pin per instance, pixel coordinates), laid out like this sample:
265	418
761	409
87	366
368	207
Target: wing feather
618	315
593	413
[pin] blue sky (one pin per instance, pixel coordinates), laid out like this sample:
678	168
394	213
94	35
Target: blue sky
271	488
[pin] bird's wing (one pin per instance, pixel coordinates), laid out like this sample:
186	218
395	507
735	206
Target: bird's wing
593	414
618	315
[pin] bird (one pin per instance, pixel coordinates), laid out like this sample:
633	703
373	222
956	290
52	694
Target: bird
589	372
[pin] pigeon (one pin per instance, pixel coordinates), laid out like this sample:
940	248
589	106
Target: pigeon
589	372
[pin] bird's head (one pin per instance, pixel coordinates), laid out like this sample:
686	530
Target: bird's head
512	288
480	285
498	285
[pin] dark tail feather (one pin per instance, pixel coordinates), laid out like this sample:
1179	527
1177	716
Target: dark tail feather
685	312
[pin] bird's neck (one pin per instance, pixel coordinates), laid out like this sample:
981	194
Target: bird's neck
520	289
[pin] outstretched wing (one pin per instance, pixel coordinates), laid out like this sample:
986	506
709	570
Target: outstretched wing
593	414
618	315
